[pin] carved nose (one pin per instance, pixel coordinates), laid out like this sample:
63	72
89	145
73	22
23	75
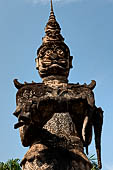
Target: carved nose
55	56
54	62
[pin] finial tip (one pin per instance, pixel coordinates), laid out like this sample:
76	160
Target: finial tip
52	16
51	6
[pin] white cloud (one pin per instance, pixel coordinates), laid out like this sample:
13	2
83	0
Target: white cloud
54	1
62	1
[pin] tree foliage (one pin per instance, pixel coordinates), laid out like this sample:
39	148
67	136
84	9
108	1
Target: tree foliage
94	162
12	164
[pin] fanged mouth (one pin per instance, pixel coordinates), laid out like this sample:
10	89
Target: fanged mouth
56	65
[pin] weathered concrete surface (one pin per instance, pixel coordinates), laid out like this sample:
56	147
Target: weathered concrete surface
56	118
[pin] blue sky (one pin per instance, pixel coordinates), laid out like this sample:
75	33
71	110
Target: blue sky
87	26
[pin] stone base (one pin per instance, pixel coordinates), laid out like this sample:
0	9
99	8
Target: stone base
39	157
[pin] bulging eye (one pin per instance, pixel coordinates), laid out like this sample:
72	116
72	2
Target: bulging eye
60	53
48	53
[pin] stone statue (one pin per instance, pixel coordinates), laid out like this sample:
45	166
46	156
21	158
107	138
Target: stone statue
55	118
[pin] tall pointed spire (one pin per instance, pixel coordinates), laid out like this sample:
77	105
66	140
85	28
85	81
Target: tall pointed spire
52	16
51	6
52	28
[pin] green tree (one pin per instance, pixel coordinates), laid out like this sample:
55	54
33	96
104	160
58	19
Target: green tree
94	162
12	164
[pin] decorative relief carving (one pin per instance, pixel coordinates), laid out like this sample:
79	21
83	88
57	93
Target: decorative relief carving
56	118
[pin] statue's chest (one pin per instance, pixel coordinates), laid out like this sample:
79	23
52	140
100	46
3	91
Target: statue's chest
59	99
